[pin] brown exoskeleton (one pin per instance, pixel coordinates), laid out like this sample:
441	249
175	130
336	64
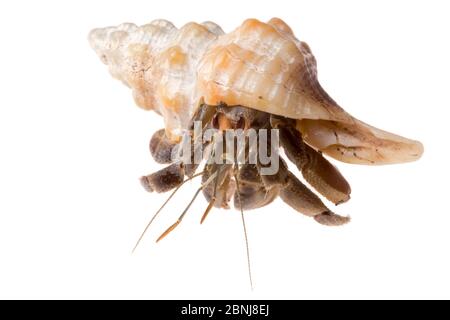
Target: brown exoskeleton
244	181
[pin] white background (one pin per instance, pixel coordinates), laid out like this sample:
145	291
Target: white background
73	144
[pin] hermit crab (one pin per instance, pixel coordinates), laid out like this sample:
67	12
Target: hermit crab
257	77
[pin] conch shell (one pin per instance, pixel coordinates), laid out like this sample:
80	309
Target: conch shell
258	65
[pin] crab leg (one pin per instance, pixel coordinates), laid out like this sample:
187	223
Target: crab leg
161	148
316	170
251	191
165	179
299	197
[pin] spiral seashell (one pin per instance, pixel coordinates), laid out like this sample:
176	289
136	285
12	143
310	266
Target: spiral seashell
258	65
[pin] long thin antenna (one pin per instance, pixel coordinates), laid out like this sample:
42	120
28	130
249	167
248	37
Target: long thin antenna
173	226
245	228
180	218
208	209
159	210
213	199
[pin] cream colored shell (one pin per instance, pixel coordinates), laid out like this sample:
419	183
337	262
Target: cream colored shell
258	65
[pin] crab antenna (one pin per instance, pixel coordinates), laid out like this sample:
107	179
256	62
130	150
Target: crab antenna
173	226
244	226
159	210
180	218
208	209
213	200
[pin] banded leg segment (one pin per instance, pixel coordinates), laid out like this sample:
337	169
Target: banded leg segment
253	193
293	192
165	179
161	148
316	170
299	197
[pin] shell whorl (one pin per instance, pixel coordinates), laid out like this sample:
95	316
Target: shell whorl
158	62
263	66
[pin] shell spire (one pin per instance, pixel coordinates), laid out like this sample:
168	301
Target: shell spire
158	62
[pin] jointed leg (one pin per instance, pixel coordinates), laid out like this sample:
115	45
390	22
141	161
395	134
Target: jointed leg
165	179
252	193
162	151
299	197
161	147
325	177
316	170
